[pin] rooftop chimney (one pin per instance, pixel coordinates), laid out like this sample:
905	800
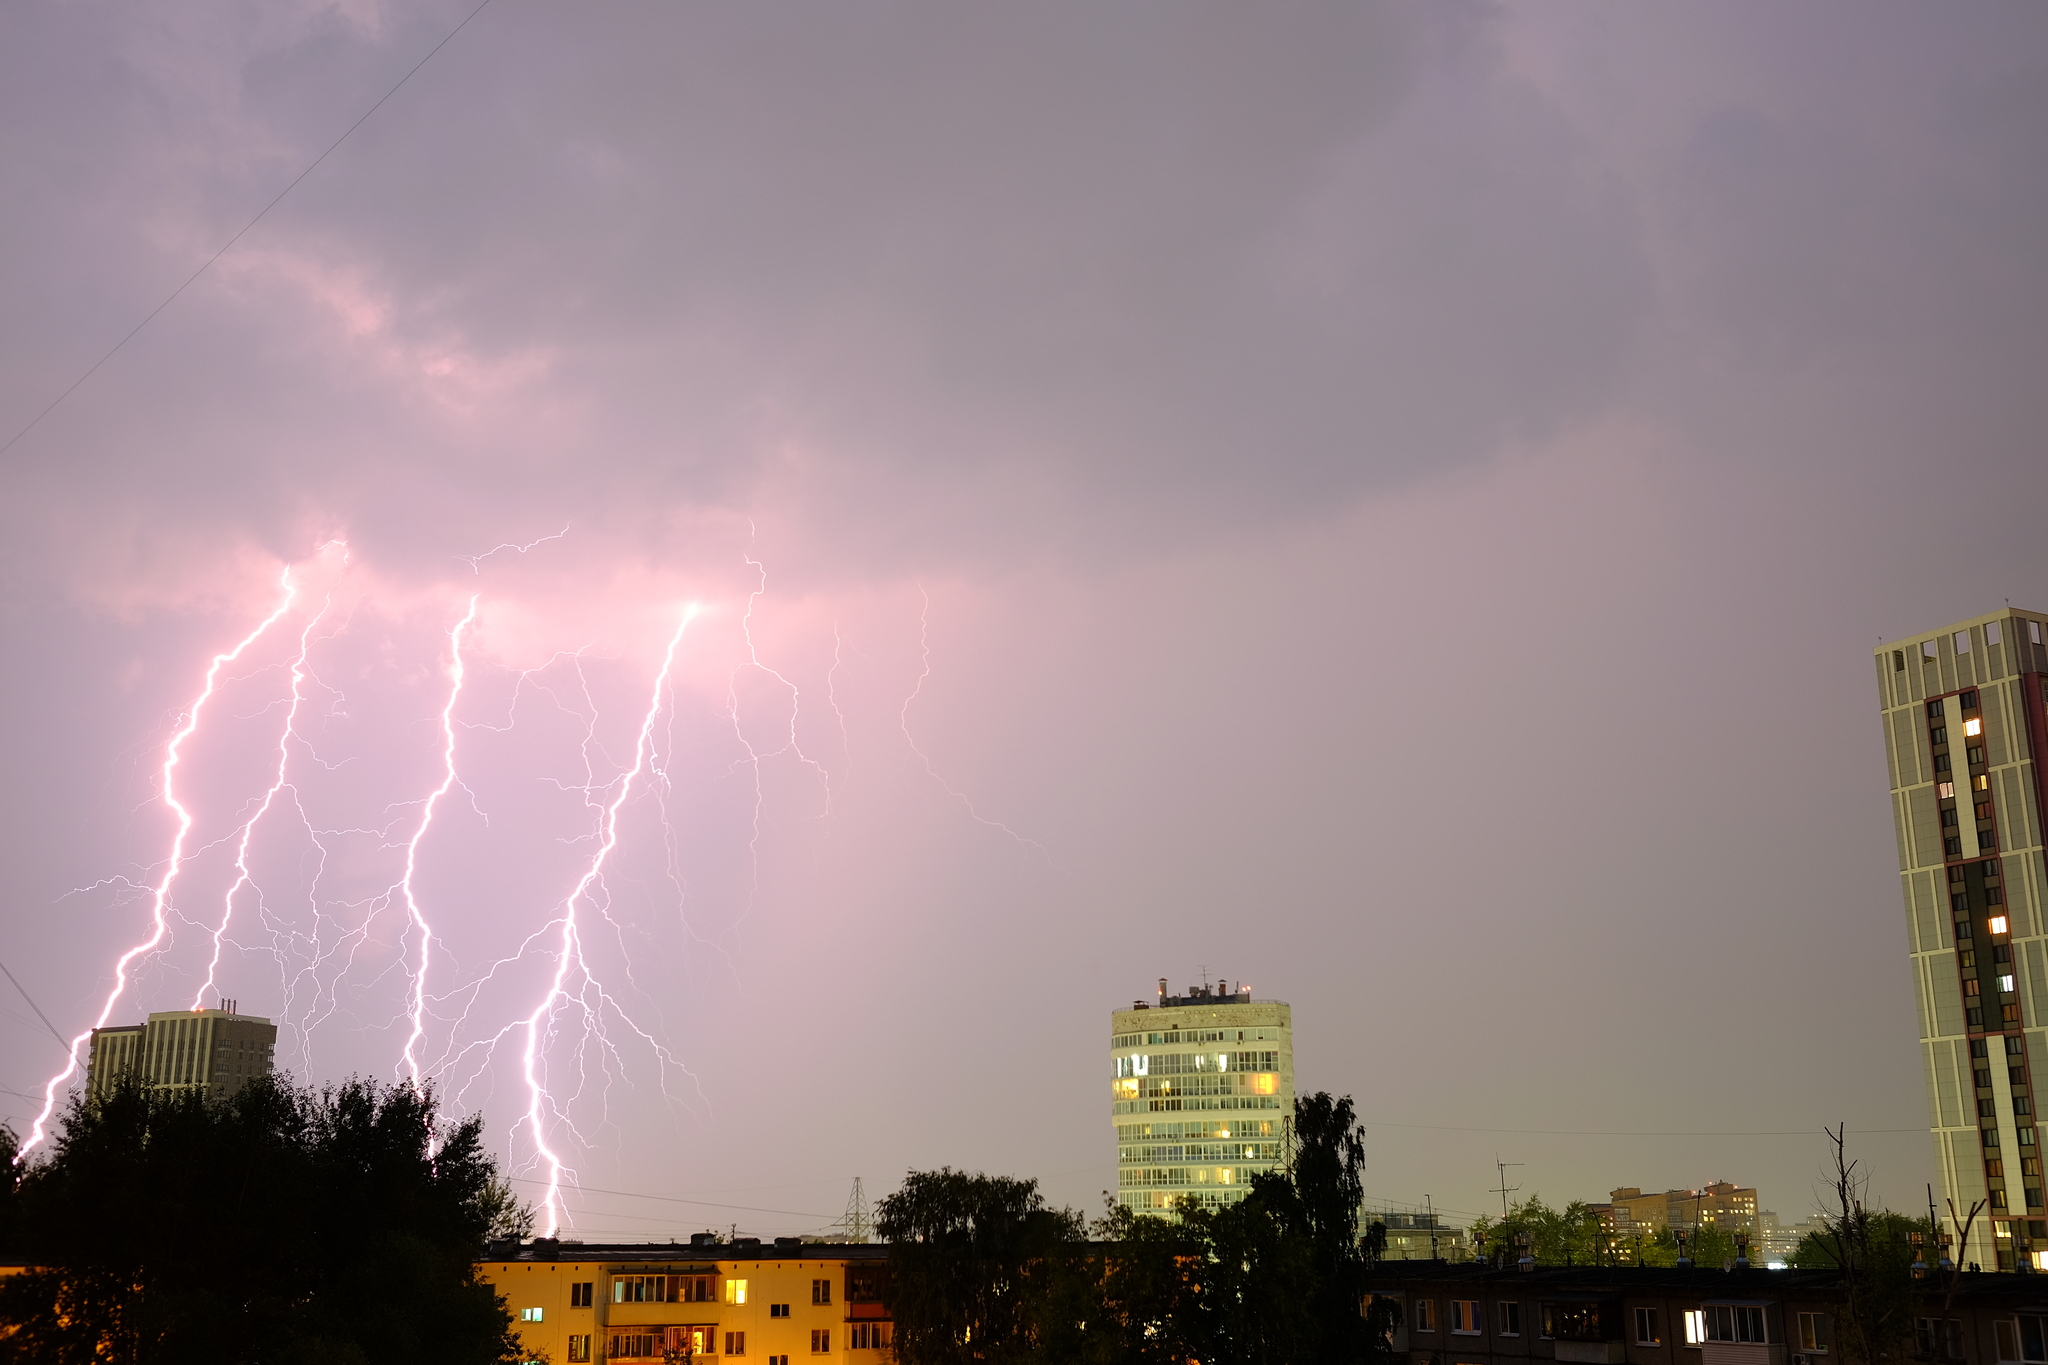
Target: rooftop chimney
1162	991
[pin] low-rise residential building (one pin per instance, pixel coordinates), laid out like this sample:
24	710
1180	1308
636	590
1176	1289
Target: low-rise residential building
751	1300
1421	1237
1477	1314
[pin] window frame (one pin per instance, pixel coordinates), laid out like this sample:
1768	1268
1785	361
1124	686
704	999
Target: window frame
1466	1311
1649	1331
1816	1333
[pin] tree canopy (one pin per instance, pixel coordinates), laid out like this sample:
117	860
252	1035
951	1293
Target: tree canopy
982	1270
282	1224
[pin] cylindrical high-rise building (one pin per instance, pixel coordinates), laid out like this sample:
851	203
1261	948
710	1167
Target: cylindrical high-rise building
1201	1096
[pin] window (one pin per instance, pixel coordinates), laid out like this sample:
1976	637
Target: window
778	1360
1990	1137
1937	1338
1973	726
1982	782
2014	1047
2034	631
1944	791
1952	846
1938	735
2032	1347
1987	1109
2026	1137
868	1336
1695	1327
821	1291
1930	650
735	1343
579	1346
1740	1322
1425	1314
531	1314
1994	895
1509	1316
1898	661
1980	1047
1966	957
778	1310
1983	1078
1963	934
2005	984
1993	635
579	1295
1998	925
2022	1105
1962	641
1973	988
1813	1333
1948	817
735	1291
1941	764
821	1340
1646	1328
1465	1317
2008	1339
1976	755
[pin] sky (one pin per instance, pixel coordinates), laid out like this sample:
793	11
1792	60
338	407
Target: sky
781	561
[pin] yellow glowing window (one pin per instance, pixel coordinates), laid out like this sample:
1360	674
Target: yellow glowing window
1998	924
1126	1089
1945	789
1982	782
1973	727
735	1291
1265	1083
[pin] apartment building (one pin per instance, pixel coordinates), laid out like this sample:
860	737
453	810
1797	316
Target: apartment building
752	1301
1965	719
212	1050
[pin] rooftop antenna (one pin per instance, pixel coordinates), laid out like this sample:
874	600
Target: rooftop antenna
855	1219
1431	1215
1504	1189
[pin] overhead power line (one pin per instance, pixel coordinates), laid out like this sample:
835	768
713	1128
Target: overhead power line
673	1199
225	246
1595	1132
62	1041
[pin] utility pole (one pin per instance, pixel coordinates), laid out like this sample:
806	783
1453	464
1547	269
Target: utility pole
1504	1189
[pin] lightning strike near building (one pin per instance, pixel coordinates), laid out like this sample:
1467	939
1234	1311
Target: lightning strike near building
1966	731
1202	1095
212	1050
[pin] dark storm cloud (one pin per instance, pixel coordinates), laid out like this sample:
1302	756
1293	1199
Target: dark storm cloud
1154	260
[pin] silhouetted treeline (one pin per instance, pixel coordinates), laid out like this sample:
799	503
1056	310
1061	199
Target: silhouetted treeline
282	1224
983	1271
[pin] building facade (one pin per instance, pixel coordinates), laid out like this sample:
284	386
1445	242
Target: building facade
752	1301
1630	1213
1479	1315
211	1050
1965	714
1201	1096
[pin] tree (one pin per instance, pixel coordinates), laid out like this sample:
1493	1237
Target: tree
281	1224
1874	1252
976	1261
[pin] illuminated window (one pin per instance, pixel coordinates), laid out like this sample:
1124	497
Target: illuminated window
530	1314
1945	790
1265	1083
1998	924
1696	1319
735	1291
1465	1317
1425	1314
1973	727
1982	782
2005	984
579	1346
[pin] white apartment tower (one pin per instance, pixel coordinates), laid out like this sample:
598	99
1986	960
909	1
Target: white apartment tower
1202	1095
211	1050
1965	713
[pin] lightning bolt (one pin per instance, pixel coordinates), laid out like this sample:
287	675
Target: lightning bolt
243	877
412	848
925	647
569	951
160	896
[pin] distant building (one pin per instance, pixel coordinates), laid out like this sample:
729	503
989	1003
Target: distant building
211	1050
1630	1214
1776	1241
1421	1237
1201	1096
1965	717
